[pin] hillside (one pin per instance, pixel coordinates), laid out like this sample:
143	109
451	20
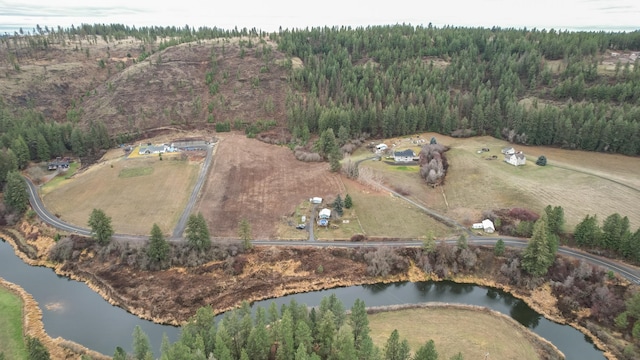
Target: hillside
92	80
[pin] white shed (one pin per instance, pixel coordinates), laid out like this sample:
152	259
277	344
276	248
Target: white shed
488	226
316	200
477	226
381	147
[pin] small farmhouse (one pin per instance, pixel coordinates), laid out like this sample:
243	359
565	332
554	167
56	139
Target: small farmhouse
155	149
516	159
404	155
508	151
323	217
58	163
488	226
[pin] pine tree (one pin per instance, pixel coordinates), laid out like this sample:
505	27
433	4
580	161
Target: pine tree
348	202
426	352
100	225
8	162
198	233
359	322
15	193
396	349
337	205
588	233
20	148
538	257
158	247
141	347
244	232
498	250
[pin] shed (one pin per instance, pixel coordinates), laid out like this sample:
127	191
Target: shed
316	200
488	226
381	147
477	226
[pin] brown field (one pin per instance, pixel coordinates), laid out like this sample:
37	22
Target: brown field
135	193
261	183
581	182
474	333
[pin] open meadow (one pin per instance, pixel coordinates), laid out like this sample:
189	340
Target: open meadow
135	193
581	182
473	333
11	341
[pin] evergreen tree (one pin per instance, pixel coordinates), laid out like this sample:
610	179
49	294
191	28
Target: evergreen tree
538	257
499	248
141	347
286	349
21	150
588	233
337	205
348	202
359	322
15	193
198	233
396	349
36	350
542	161
326	334
555	219
100	225
345	349
301	353
258	344
8	162
462	242
158	247
119	354
457	356
334	162
426	352
244	232
614	228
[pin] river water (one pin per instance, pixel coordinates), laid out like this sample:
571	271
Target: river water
73	311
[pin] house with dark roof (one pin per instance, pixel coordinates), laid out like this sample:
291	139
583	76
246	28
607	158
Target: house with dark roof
58	163
404	155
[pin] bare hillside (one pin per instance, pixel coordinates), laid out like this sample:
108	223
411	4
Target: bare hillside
88	79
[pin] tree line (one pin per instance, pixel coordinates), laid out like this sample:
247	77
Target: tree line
293	332
398	80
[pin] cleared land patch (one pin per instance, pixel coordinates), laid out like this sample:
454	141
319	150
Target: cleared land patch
151	191
261	183
472	332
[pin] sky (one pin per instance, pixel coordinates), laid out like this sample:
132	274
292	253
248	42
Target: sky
609	15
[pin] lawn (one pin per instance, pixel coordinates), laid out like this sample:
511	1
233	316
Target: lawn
135	193
11	341
472	332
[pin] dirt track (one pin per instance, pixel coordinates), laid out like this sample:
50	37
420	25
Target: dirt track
261	183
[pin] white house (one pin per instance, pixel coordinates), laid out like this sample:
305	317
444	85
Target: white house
477	226
324	214
517	159
155	149
381	147
508	150
488	226
404	155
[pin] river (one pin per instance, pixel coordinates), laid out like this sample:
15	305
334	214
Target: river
73	311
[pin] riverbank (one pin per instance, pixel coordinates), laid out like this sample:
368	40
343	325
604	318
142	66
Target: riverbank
267	273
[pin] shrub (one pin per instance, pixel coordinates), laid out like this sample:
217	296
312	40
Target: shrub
523	214
384	261
542	161
61	250
358	238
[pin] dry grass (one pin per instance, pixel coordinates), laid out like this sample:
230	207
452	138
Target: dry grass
153	191
474	333
581	182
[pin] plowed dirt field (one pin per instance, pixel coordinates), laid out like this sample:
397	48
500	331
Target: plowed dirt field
261	183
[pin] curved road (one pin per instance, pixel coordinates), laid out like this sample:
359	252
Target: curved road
630	273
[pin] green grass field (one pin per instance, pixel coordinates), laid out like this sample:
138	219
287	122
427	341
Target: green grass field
11	341
473	333
136	171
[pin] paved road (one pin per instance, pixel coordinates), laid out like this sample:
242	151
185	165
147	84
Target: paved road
628	272
202	177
